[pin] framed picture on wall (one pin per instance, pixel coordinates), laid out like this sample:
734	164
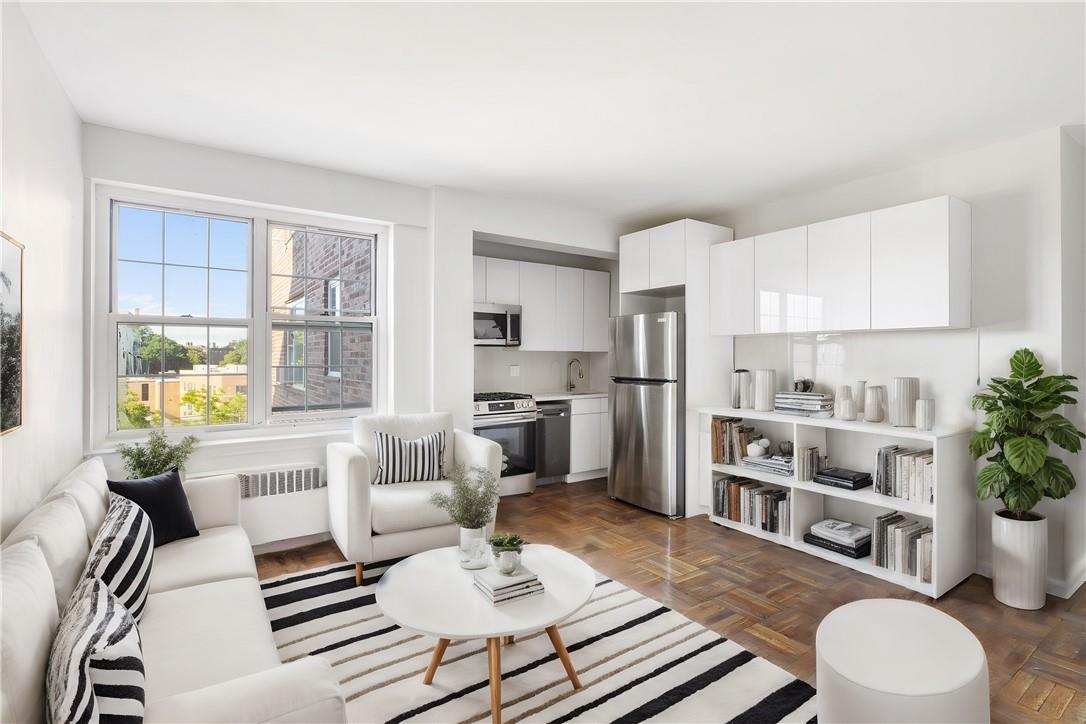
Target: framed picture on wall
11	334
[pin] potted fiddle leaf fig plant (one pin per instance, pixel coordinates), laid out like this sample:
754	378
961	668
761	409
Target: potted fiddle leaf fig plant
1020	423
470	504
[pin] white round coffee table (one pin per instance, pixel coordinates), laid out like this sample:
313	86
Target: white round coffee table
429	593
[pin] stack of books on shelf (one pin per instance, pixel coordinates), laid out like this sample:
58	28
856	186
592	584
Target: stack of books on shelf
730	439
501	589
849	539
776	464
905	473
843	478
808	404
903	545
750	502
808	462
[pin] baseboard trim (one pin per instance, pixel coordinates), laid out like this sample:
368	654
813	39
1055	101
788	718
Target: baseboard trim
276	546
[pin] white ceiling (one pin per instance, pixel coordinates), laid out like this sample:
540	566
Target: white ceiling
635	110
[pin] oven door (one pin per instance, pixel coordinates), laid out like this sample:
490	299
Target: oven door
496	325
516	435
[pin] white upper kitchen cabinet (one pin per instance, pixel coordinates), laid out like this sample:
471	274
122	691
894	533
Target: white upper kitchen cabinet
502	281
839	274
537	306
597	310
667	255
731	287
780	281
569	309
634	262
920	265
478	273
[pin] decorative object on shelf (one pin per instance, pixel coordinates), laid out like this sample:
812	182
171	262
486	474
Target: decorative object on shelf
904	392
765	386
507	548
470	505
740	378
848	409
859	391
874	402
1020	423
157	456
745	397
844	392
925	414
756	449
802	384
785	447
11	334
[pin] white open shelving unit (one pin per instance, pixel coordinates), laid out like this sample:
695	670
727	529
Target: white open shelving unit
853	445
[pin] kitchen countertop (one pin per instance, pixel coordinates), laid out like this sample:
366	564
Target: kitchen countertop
552	396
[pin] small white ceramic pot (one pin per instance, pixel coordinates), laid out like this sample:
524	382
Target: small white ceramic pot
473	548
507	561
1019	560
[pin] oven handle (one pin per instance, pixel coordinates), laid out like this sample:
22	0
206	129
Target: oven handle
501	420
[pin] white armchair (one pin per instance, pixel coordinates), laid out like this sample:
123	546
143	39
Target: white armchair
372	523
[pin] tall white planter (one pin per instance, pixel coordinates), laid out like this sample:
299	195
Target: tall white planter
1019	561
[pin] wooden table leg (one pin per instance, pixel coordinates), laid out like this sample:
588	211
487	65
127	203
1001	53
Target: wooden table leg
494	656
506	640
435	660
560	649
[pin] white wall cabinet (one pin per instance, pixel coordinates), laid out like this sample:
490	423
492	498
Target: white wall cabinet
478	273
502	281
597	310
839	274
667	255
731	291
780	281
569	308
920	265
656	259
537	306
634	262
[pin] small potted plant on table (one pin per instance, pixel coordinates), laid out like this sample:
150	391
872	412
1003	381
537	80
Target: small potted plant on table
1020	422
471	505
507	548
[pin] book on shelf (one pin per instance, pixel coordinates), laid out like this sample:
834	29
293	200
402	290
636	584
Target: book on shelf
905	473
811	404
903	545
808	462
750	502
775	464
843	478
730	439
861	551
842	532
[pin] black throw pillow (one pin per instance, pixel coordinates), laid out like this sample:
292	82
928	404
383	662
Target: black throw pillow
163	499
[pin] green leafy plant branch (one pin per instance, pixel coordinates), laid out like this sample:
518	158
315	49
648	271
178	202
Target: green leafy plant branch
1020	423
157	456
507	542
474	494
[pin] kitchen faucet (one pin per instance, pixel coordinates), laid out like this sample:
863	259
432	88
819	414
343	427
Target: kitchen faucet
569	374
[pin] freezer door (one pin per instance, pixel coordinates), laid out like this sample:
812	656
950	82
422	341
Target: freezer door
646	446
647	346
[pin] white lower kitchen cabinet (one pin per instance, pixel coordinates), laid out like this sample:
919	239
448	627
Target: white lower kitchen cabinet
584	442
605	437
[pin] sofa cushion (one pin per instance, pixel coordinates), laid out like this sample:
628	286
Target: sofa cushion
93	473
217	554
163	498
123	553
202	635
408	427
28	623
62	536
407	506
96	665
91	505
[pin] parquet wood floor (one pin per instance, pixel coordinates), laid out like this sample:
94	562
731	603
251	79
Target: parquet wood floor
770	599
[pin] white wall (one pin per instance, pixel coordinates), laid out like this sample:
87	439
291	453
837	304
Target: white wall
540	372
1014	190
41	205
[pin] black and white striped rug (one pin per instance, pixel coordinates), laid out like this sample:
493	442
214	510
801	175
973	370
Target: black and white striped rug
638	660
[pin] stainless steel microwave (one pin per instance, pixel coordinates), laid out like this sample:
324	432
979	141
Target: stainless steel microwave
497	325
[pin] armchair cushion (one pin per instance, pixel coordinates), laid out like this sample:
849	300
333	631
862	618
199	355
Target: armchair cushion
408	461
409	427
407	506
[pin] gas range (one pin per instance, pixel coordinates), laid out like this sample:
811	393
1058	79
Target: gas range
504	403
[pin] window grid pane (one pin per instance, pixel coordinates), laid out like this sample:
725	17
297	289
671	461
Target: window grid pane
321	366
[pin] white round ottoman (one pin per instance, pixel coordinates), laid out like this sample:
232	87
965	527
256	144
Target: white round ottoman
885	660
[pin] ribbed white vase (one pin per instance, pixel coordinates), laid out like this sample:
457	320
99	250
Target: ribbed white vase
904	392
765	388
1019	561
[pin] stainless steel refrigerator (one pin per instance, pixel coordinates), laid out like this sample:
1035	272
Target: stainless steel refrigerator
647	403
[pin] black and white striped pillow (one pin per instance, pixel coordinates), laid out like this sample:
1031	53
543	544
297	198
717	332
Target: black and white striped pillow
406	461
96	664
123	553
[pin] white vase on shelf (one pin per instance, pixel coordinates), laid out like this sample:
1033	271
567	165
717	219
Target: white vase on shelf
859	392
844	392
765	388
904	392
743	380
874	401
925	414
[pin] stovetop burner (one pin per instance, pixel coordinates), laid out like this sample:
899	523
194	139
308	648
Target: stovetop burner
499	396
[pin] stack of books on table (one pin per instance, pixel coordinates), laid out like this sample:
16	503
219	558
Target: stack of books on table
808	404
848	539
500	588
843	478
903	545
905	473
776	464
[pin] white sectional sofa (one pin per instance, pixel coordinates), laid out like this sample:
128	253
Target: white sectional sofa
209	654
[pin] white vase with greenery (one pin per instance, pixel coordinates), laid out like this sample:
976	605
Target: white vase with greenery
470	504
1020	423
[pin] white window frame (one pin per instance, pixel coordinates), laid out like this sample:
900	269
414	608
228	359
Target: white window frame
100	323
